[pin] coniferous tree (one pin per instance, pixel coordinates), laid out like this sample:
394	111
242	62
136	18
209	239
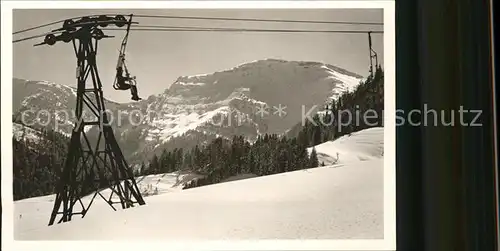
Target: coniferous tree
313	159
154	166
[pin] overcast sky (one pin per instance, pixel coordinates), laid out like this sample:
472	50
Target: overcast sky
159	58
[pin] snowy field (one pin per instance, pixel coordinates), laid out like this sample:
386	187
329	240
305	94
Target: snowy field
364	145
339	201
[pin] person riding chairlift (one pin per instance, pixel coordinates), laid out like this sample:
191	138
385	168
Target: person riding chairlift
126	82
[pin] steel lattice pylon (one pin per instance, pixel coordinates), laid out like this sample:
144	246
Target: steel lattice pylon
89	168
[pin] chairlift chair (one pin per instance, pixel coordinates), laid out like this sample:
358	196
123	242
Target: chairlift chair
123	80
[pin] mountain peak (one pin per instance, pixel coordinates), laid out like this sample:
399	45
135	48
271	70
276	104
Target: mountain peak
265	75
224	103
266	62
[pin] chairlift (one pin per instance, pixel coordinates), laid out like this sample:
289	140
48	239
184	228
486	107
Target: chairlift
123	79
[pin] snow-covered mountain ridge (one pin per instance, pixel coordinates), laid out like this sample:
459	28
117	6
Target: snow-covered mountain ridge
264	96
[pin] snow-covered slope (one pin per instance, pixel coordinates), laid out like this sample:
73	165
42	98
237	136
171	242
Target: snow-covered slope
321	203
32	213
363	145
224	103
341	201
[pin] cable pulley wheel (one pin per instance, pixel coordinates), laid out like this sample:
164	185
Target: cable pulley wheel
120	20
66	37
50	39
103	19
68	23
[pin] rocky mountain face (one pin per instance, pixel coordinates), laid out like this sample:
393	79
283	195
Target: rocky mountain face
265	96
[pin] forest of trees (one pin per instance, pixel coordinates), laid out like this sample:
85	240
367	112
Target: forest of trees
36	164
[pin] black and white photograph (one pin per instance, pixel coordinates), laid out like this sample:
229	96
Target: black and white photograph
201	122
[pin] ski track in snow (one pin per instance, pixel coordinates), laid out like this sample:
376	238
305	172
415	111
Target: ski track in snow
342	201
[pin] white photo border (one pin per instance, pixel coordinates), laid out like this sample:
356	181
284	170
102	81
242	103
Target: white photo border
388	243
